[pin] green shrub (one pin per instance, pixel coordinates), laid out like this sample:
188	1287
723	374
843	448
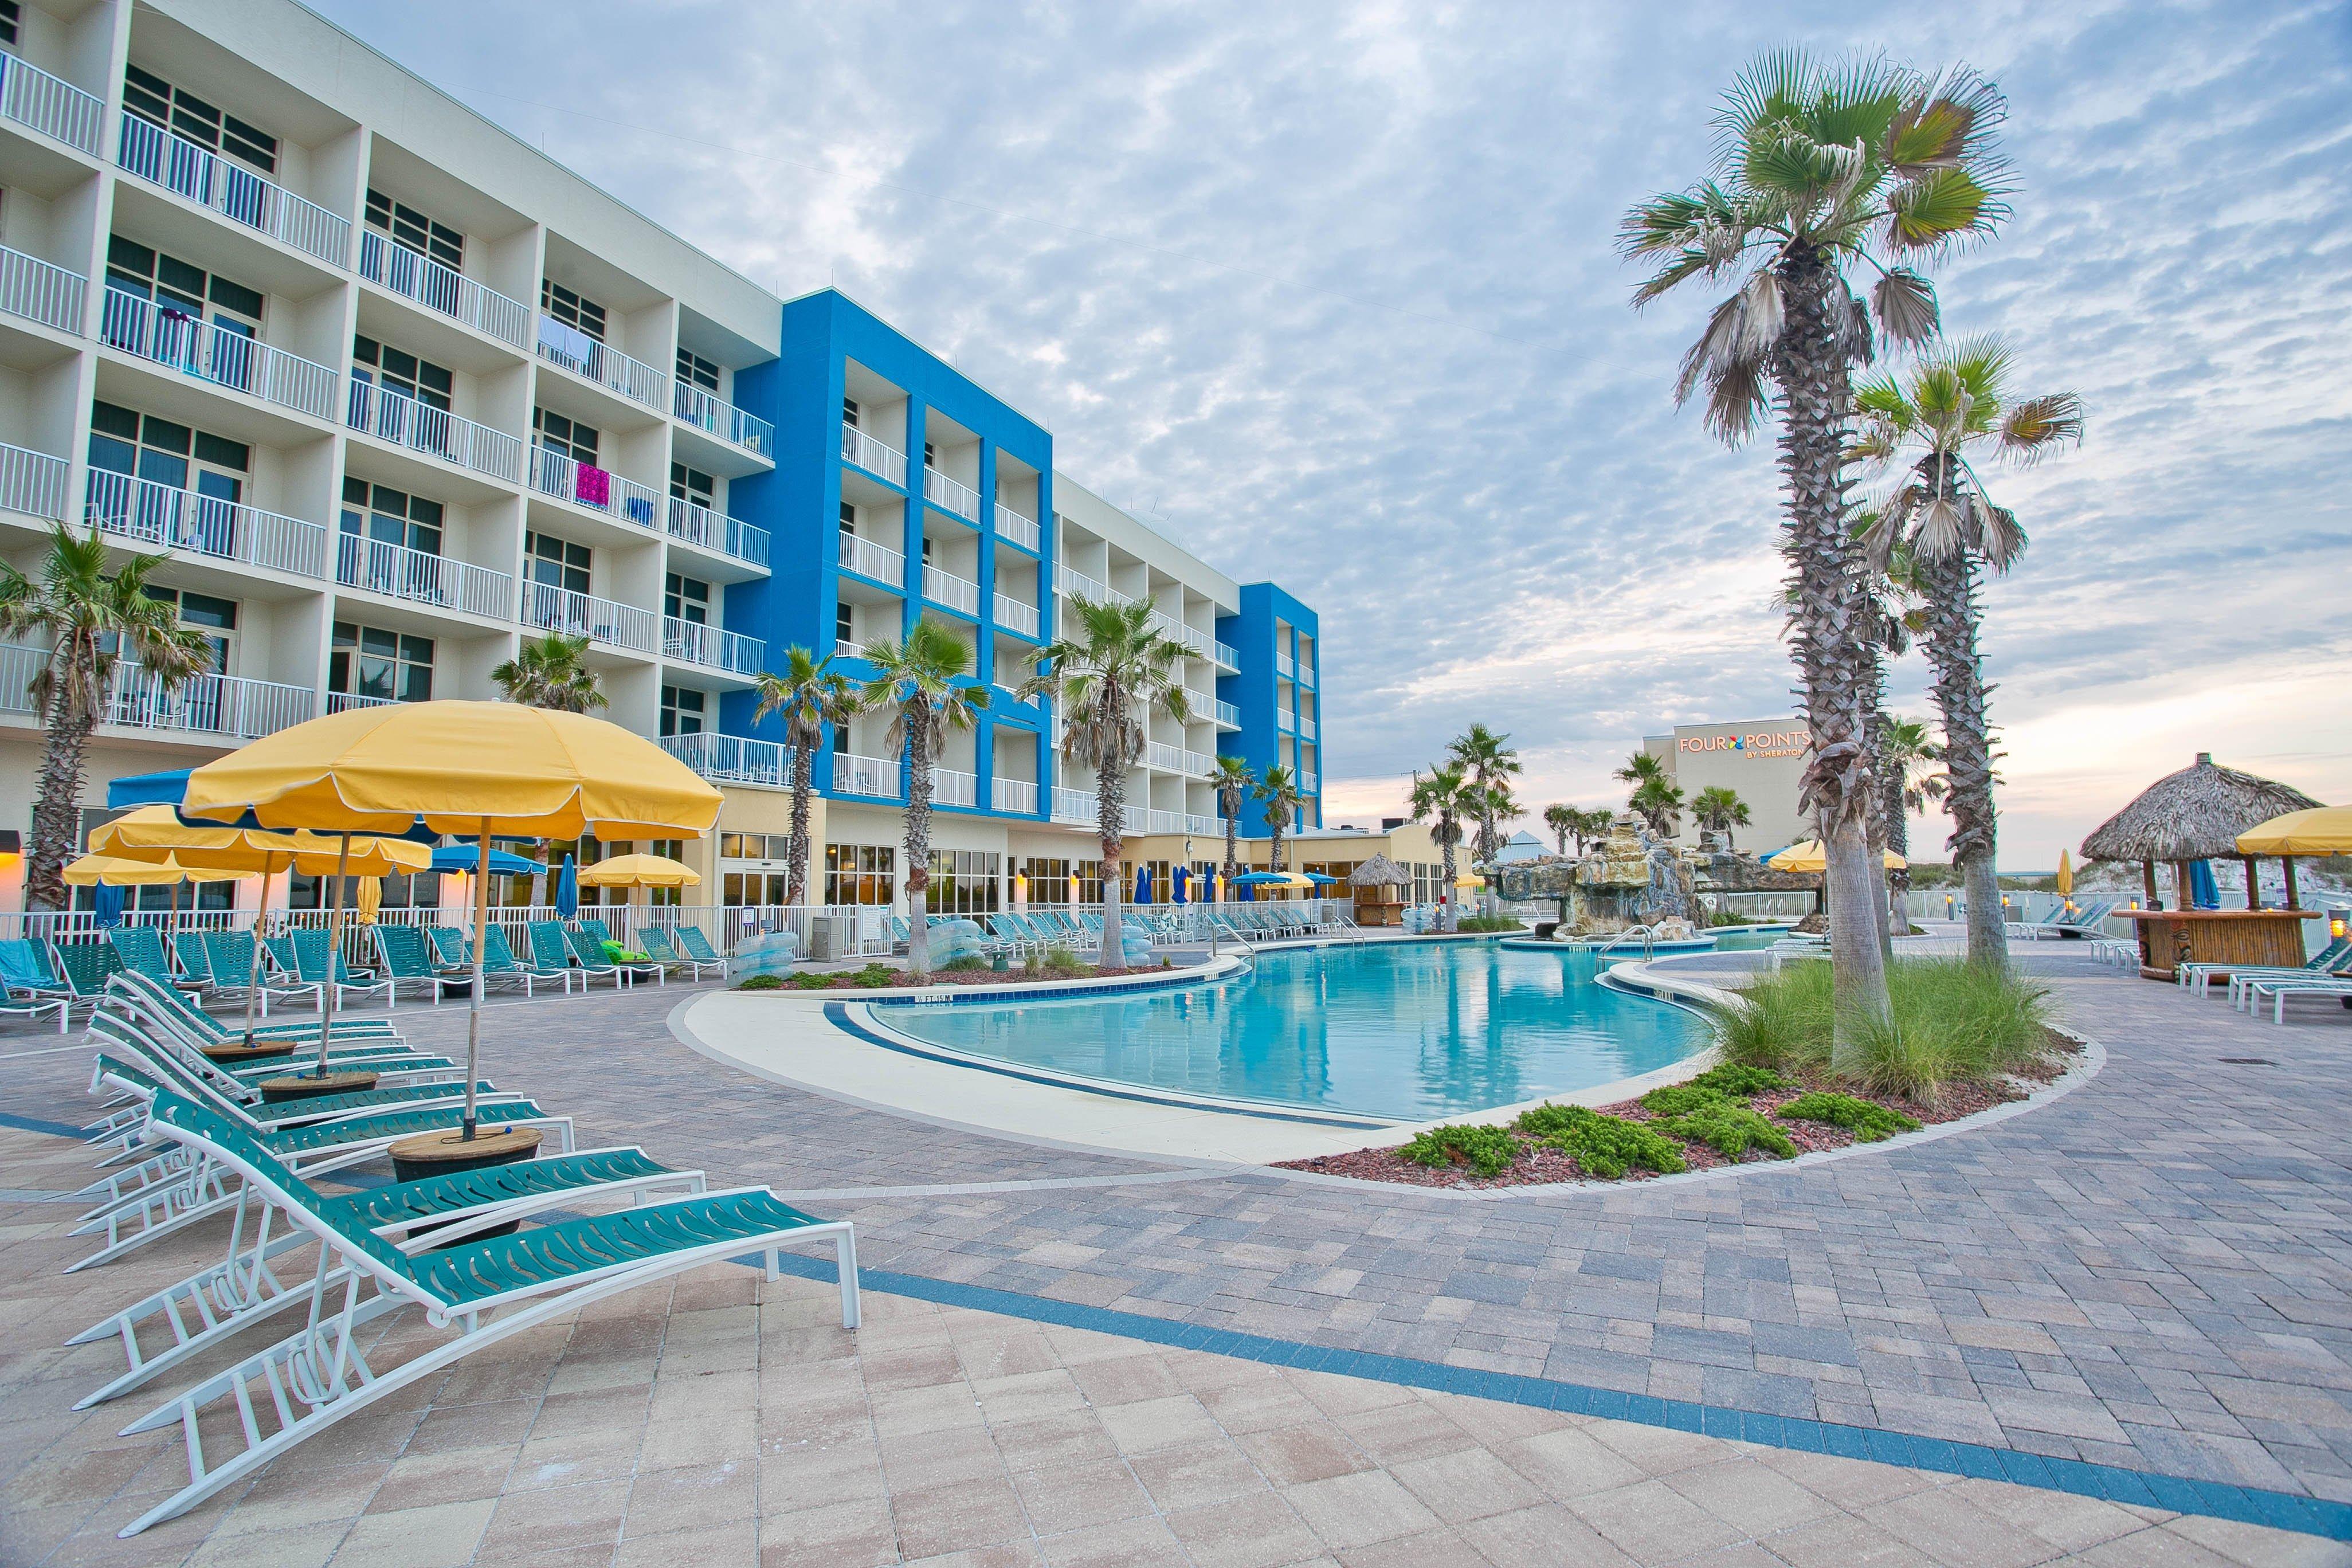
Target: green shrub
1952	1021
1603	1146
1488	924
964	965
1728	1128
1677	1098
1057	963
818	982
1739	1081
763	982
1869	1123
1488	1151
874	976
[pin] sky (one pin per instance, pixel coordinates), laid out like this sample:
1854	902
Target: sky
1329	294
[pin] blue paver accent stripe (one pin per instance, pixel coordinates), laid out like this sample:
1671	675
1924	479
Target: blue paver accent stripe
2110	1483
36	1124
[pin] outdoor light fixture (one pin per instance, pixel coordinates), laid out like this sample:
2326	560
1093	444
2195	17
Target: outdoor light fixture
2336	921
1948	906
12	848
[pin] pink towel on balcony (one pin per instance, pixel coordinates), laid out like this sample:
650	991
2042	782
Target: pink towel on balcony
592	486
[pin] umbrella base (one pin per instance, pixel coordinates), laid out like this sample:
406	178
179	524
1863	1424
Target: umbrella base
311	1086
239	1054
446	1153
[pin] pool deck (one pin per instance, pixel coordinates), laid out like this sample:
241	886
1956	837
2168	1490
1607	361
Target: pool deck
2149	1278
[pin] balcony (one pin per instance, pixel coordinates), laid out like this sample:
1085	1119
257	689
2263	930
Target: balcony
41	292
204	525
854	774
598	489
1014	615
1017	796
39	101
1074	806
952	592
210	353
872	560
949	787
230	189
1162	822
1286	721
1072	584
389	414
607	366
32	482
715	416
1227	655
223	706
399	572
843	648
1199	765
692	642
1176	631
733	759
1305	729
345	702
1199	703
554	609
435	286
1203	826
1022	530
958	499
1306	676
1310	783
1229	716
717	530
1284	667
1166	758
883	462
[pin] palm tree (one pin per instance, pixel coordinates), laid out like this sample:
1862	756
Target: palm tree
926	682
810	694
1592	826
1110	677
93	622
1233	782
1906	783
550	672
1491	763
1820	167
1951	403
1442	798
1563	821
1721	809
1641	768
1280	793
1660	804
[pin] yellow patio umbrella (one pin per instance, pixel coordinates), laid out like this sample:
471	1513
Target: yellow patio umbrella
2322	830
480	768
1469	879
371	899
2065	878
108	870
640	871
1806	856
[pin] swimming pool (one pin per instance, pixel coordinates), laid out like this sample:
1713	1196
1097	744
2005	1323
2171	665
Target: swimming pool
1407	1031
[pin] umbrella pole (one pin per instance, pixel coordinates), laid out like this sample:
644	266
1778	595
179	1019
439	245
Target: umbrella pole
260	925
481	946
334	951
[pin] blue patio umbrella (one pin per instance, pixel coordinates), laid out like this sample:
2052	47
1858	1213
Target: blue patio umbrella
1321	880
1143	885
466	857
172	788
110	905
2203	891
1183	879
567	890
1260	879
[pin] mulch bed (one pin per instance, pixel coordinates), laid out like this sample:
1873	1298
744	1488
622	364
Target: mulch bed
847	980
1536	1165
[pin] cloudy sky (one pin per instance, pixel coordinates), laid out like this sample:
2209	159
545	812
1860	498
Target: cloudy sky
1329	294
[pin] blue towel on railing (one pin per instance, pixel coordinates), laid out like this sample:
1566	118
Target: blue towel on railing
640	511
565	340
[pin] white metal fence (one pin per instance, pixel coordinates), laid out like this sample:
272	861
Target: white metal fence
389	414
180	165
32	482
697	643
205	348
1012	525
603	363
31	95
873	456
41	292
400	573
184	520
435	286
554	474
953	494
708	412
868	559
717	530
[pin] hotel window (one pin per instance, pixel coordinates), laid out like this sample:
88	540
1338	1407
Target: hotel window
849	412
755	847
685	598
173	457
401	372
682	710
392	517
1049	881
844	623
739	889
556	562
565	437
182	286
860	873
214	618
573	310
371	661
416	231
930	455
963	882
693	487
177	109
692	367
11	18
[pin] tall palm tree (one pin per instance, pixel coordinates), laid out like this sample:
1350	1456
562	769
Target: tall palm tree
1640	769
1279	792
1658	803
1442	798
1232	781
1907	781
93	621
1721	808
810	694
926	682
1953	403
1820	167
1491	762
1563	821
1110	671
550	672
1592	826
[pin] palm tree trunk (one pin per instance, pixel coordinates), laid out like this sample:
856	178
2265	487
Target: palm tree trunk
56	800
1448	919
1110	808
918	843
1830	627
796	883
1873	728
1950	589
540	848
1233	831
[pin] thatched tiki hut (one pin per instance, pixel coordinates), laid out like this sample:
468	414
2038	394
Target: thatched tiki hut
1379	884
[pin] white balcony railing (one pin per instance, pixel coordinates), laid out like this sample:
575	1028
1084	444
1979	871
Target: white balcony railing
1072	584
949	787
1286	721
1310	783
1014	615
203	349
734	759
1164	822
399	572
1169	626
1306	676
598	489
1018	796
868	559
32	97
696	643
435	286
1284	666
1305	729
883	462
1010	525
1227	655
1202	826
607	366
1075	806
32	482
41	290
344	701
958	499
1199	765
953	592
717	530
708	412
1167	758
389	414
854	774
219	705
230	189
204	525
1229	715
554	609
848	648
1199	703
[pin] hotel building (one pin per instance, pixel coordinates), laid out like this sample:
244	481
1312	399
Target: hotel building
1762	761
392	390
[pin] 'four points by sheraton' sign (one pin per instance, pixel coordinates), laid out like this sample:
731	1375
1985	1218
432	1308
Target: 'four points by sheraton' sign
1756	744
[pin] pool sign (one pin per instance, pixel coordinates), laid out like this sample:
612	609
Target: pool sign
1755	743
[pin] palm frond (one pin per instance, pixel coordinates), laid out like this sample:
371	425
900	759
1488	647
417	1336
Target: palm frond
2031	430
1905	304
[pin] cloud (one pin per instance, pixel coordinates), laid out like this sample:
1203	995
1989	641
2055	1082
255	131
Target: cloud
1330	295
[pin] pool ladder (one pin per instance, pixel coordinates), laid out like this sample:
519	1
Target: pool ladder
1645	933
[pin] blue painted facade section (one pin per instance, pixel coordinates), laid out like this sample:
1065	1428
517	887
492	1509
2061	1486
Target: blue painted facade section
1272	621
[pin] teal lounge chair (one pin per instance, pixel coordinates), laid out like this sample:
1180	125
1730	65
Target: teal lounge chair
310	963
141	950
594	928
662	950
206	1031
501	965
2199	977
487	1289
595	961
407	959
28	986
85	967
228	955
695	949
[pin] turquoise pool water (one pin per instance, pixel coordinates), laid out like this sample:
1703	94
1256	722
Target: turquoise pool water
1404	1031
